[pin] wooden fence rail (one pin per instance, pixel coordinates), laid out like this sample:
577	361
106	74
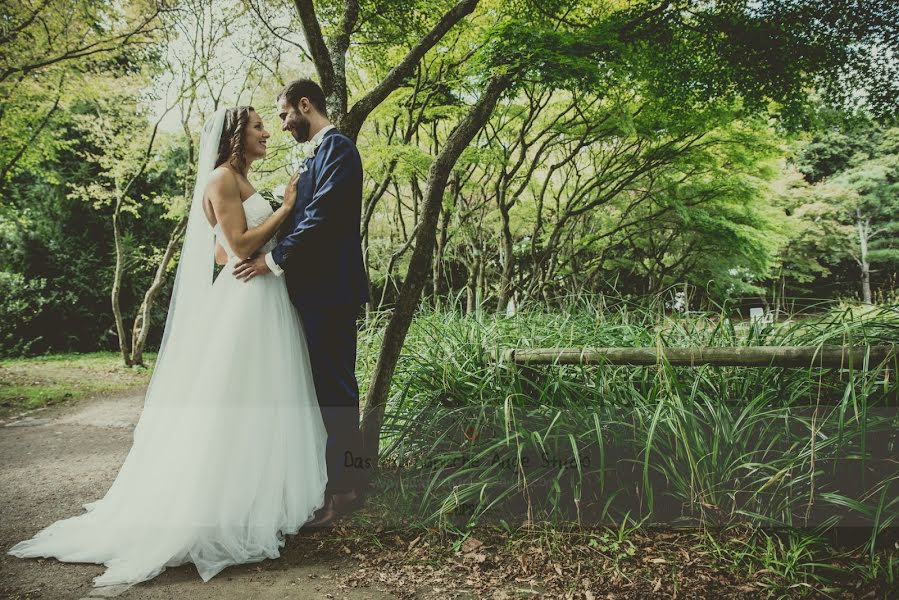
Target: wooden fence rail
738	356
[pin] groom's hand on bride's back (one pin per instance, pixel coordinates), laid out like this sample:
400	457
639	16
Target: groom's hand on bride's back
249	268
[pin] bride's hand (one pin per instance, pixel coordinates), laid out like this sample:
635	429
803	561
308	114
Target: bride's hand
290	194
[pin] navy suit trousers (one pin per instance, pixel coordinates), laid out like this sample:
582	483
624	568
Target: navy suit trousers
331	339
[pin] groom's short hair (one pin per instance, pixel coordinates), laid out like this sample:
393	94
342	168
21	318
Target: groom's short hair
304	88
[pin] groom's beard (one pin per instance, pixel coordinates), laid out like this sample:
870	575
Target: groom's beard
301	129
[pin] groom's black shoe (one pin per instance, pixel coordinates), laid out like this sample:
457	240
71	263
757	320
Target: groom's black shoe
336	505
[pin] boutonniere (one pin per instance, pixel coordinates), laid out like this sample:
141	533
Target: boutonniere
307	151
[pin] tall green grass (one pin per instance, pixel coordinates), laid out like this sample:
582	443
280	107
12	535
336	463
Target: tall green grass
471	441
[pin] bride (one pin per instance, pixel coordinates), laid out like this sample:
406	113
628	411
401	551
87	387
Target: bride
229	451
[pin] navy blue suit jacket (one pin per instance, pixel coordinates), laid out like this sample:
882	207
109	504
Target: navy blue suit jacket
322	254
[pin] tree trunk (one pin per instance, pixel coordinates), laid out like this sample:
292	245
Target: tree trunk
368	212
438	256
508	258
142	320
420	262
117	282
481	288
864	230
471	290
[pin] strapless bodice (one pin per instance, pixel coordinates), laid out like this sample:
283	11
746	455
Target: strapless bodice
257	210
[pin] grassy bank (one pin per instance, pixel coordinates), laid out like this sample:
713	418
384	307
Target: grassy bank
29	383
800	462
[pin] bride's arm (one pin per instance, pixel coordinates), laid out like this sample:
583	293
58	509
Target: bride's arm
224	194
221	257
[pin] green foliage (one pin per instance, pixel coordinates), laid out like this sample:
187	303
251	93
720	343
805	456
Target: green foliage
766	52
479	441
52	50
851	176
57	237
718	229
833	150
23	302
51	245
581	59
687	54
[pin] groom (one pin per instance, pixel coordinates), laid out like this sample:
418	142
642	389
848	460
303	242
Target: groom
321	259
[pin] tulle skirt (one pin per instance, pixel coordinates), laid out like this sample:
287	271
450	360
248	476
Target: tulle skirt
228	454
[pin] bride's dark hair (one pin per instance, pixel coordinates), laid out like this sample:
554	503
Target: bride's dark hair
234	136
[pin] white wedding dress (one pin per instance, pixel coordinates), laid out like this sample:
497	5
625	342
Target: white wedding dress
217	477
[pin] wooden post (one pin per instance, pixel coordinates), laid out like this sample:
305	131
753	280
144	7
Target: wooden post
739	356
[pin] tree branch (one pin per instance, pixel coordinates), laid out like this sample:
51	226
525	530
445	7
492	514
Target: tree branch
360	111
321	57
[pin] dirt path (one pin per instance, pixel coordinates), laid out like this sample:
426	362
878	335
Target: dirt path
55	460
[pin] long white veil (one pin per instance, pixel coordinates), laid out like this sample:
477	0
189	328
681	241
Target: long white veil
189	309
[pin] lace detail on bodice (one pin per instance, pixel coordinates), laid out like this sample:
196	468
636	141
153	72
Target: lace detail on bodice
257	210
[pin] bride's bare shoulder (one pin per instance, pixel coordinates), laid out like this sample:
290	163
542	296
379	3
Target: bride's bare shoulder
222	184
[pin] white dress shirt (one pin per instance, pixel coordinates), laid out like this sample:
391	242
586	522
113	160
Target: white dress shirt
272	265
